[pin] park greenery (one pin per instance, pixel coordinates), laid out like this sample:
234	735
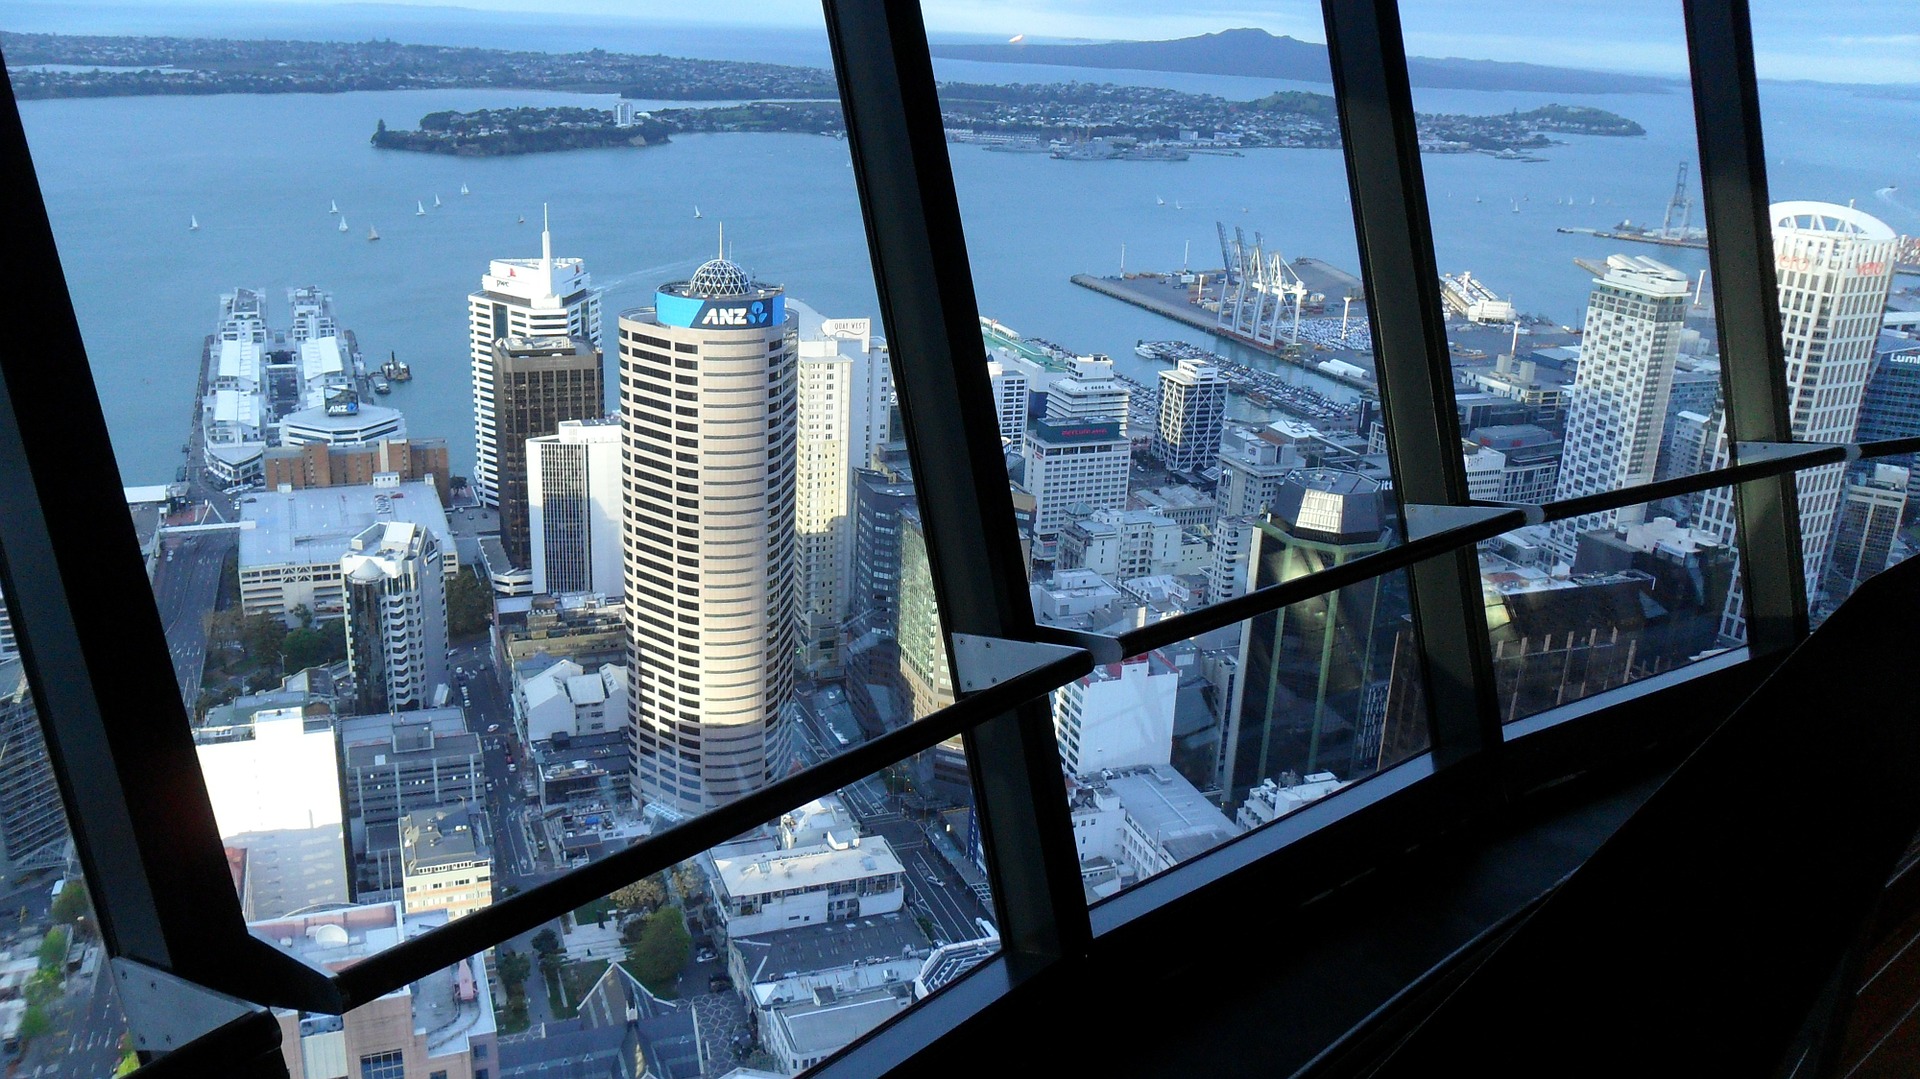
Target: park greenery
469	606
513	968
660	950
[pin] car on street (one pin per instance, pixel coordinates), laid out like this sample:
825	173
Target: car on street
933	880
492	727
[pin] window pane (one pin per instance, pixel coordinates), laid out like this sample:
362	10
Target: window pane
1638	599
1170	753
61	1014
1568	230
1845	257
1173	319
623	513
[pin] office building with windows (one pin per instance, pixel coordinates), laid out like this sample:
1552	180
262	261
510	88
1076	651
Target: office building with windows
543	297
396	608
33	825
708	411
1871	507
845	392
1834	265
1010	401
1074	463
538	384
573	508
1618	403
1193	413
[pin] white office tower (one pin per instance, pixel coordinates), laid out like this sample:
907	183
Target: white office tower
543	297
1834	265
845	390
274	784
396	591
707	386
1193	412
1078	465
573	508
1010	389
1120	716
1617	406
1090	392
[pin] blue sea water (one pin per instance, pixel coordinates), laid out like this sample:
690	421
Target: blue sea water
122	176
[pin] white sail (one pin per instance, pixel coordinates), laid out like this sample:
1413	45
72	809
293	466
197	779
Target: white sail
373	234
333	207
436	200
193	223
464	191
343	224
422	211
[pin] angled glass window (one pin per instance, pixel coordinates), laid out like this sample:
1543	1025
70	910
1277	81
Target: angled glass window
63	1014
1172	317
533	450
1844	224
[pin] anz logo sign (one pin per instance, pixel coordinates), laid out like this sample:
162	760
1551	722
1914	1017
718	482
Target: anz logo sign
757	313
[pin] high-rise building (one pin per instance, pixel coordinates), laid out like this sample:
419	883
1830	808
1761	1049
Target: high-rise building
538	384
1253	465
573	508
444	864
1089	393
844	392
1697	392
1070	463
1870	511
543	297
396	599
1009	400
1307	668
9	645
1618	404
1833	265
707	387
1890	406
1119	716
274	783
33	825
1193	411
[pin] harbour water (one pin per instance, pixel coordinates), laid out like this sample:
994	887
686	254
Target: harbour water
123	177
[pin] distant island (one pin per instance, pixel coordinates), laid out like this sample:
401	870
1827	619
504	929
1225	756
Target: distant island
145	66
1258	54
508	132
1075	121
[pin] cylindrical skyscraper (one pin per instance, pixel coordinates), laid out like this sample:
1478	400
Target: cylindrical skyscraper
708	418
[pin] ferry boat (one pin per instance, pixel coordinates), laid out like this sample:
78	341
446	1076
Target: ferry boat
396	370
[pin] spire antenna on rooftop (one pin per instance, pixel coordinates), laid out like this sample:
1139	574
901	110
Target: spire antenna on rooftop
723	241
546	240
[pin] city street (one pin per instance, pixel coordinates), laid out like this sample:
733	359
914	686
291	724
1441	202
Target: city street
85	1043
186	583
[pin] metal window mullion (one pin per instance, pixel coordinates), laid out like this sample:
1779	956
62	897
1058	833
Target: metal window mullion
927	304
1375	101
91	640
1733	185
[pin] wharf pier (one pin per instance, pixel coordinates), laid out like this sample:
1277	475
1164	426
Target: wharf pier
1164	294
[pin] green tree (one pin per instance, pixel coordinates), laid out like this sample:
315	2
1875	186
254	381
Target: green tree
689	881
52	952
469	605
34	1022
761	1059
514	968
72	904
315	646
546	942
261	636
303	614
42	986
644	895
662	952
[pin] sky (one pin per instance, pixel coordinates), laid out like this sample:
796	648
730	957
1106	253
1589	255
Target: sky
1831	40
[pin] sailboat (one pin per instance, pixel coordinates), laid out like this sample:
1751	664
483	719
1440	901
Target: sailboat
333	207
373	233
1177	206
193	223
436	202
1477	198
696	212
464	191
522	221
1158	201
343	223
422	211
1516	206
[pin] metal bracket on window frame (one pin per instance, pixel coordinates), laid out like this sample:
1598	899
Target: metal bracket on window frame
980	662
165	1012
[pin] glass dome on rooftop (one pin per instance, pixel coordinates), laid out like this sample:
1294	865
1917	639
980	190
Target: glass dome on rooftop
719	277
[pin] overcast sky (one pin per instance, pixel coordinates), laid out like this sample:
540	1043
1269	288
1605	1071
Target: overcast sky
1838	40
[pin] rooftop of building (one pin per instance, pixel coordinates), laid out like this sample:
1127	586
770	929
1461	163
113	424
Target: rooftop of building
1168	808
770	957
823	1025
443	835
316	524
806	867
